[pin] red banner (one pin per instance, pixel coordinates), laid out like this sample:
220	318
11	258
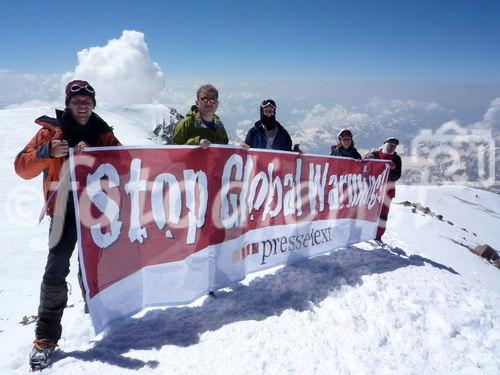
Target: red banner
140	208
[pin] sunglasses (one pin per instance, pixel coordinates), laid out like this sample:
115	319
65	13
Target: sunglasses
76	88
206	100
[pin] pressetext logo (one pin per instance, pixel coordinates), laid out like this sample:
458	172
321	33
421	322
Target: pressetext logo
274	246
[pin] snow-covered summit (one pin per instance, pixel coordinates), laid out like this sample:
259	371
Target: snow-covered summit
423	304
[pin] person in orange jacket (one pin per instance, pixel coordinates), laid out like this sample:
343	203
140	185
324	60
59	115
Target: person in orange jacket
47	152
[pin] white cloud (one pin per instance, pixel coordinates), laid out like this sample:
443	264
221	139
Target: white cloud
338	115
245	123
243	95
121	71
399	105
370	124
491	118
16	88
176	99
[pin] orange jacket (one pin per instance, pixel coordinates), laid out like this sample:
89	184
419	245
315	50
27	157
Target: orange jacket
35	158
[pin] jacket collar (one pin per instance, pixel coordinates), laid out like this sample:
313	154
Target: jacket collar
198	122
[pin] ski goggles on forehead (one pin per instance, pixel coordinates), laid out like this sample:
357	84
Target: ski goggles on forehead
268	103
392	141
79	87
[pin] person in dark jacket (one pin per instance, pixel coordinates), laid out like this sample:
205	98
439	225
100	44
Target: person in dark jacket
47	152
345	147
387	152
267	132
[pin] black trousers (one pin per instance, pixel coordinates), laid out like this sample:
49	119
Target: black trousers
54	290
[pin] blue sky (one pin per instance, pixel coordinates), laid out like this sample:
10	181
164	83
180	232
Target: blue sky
389	67
453	41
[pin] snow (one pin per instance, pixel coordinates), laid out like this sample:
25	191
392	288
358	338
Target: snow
424	304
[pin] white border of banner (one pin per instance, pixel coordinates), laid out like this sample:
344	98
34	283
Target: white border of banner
165	284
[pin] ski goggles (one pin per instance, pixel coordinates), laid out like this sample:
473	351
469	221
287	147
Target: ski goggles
77	87
393	141
268	103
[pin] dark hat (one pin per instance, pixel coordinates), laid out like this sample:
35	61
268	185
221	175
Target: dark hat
78	87
267	103
344	133
392	140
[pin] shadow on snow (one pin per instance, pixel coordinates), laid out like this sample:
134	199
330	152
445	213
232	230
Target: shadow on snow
297	286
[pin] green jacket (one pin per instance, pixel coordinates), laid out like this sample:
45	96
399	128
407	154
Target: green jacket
191	129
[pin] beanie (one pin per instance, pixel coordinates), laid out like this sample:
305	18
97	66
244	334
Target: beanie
78	87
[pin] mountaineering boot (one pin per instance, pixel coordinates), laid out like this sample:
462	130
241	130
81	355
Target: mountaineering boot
41	354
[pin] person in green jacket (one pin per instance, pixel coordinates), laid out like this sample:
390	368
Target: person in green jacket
202	126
